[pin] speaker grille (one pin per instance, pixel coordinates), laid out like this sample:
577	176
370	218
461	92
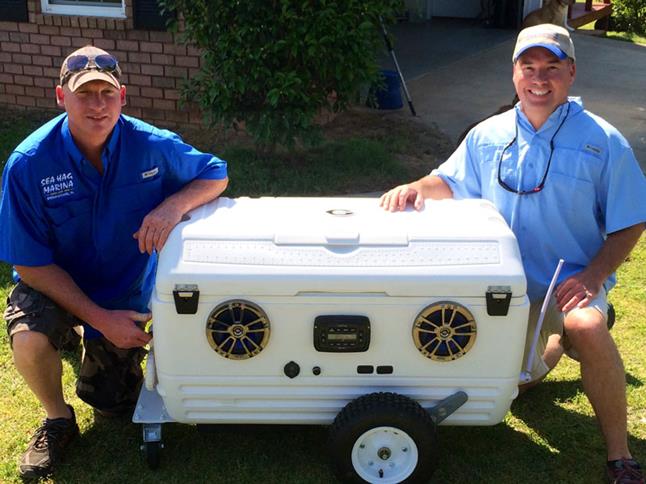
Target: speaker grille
444	331
237	329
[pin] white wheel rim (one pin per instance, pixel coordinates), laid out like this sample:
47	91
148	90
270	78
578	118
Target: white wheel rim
385	455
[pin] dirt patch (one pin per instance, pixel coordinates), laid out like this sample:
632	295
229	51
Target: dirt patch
414	143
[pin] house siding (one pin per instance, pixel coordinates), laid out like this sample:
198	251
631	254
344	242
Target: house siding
154	64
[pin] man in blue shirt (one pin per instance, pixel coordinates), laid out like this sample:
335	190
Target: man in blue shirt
87	202
569	186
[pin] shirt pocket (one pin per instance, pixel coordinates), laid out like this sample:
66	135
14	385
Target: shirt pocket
574	195
142	196
71	222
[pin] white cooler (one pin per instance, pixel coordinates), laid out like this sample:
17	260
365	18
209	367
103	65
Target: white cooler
284	310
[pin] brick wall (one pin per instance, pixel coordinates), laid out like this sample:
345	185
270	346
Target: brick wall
154	65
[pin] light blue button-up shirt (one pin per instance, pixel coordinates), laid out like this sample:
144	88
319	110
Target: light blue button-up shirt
594	185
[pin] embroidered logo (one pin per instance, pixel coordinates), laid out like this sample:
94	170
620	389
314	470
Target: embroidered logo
593	149
61	185
149	173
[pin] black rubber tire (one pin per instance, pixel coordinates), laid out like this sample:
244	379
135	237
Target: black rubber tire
152	454
377	410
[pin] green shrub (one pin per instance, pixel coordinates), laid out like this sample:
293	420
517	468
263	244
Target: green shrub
275	64
629	16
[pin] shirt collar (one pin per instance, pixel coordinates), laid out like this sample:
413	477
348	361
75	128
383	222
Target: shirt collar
576	105
75	153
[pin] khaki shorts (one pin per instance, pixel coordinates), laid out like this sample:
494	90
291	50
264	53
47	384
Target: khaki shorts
109	378
553	323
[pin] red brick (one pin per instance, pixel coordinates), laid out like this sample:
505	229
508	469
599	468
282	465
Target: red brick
174	49
131	68
114	34
24	80
15	89
57	20
4	36
139	80
10	26
7	99
29	28
62	41
194	51
152	92
80	42
177	116
100	23
92	33
133	91
19	37
41	60
35	91
44	82
70	32
21	59
52	72
130	111
152	70
121	25
153	114
109	24
163	82
49	30
74	23
187	61
6	78
39	39
105	44
139	57
46	102
9	47
1	88
30	49
5	57
13	69
155	47
171	94
52	50
172	71
65	21
163	37
33	70
137	35
48	20
83	22
140	102
128	45
92	23
162	59
129	24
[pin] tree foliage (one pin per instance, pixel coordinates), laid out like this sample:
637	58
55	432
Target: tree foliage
275	64
629	16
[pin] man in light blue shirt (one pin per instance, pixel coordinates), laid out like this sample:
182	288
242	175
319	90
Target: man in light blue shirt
569	186
87	201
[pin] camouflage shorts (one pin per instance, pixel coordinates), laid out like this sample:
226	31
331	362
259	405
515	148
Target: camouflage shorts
109	378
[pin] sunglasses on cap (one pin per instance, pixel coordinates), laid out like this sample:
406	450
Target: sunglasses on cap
101	62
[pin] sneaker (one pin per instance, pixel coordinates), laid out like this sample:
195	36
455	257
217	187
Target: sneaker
46	446
624	471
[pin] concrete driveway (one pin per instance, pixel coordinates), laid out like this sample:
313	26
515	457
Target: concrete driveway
459	73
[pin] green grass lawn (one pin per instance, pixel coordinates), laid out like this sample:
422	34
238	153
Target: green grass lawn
550	433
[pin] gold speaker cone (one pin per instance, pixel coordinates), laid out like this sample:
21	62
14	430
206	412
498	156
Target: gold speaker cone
237	329
444	331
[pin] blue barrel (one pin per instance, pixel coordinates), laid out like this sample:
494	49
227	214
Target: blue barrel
390	96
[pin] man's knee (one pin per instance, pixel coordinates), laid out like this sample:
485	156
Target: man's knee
587	331
31	346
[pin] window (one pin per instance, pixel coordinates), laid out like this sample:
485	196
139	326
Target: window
89	8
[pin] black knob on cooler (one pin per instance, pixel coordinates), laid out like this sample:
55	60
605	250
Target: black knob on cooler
316	370
292	369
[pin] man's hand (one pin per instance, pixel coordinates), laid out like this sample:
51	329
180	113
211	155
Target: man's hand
123	328
397	198
156	227
578	290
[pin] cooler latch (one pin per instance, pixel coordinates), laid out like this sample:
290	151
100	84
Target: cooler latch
498	299
186	298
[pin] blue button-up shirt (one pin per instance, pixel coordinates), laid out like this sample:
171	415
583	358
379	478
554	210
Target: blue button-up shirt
594	185
57	209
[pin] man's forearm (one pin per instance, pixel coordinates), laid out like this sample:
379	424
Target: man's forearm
433	187
58	285
614	251
195	194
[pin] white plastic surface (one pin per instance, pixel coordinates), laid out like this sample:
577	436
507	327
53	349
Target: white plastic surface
301	258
